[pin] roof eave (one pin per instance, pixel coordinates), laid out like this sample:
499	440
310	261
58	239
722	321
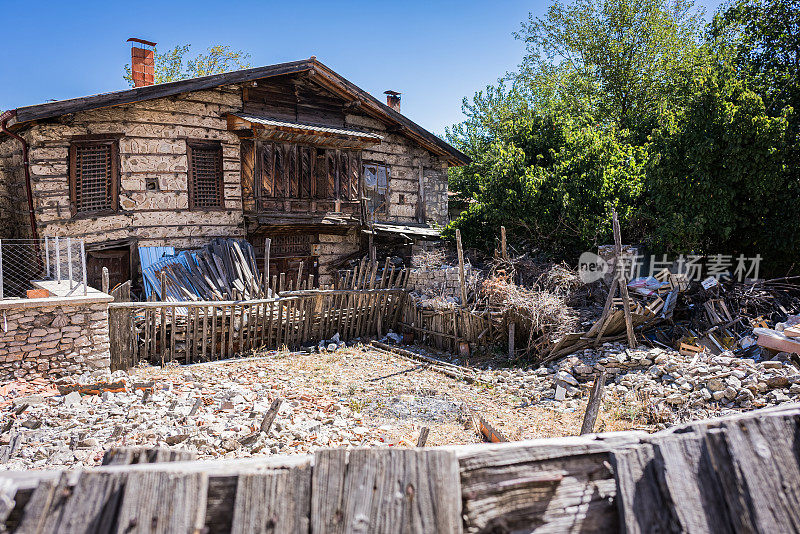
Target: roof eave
160	90
453	156
408	127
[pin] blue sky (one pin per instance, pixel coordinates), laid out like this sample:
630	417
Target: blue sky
434	52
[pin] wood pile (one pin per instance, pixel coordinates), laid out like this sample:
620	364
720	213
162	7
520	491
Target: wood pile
225	269
733	474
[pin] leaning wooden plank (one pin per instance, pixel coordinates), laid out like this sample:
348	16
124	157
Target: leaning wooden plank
593	406
540	485
146	331
276	501
270	322
89	506
214	332
251	327
173	330
156	502
642	502
231	332
242	327
279	325
386	491
153	333
319	317
757	461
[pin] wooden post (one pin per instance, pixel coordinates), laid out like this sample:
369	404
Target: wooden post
120	330
512	327
461	280
372	252
593	407
269	417
105	280
423	436
601	323
163	331
503	247
299	275
267	245
623	284
421	194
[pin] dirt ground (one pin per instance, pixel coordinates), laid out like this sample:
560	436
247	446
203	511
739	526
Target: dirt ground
400	397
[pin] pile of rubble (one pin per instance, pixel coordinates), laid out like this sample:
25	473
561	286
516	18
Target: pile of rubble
210	410
670	386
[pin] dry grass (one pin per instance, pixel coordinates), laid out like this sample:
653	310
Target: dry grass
540	314
428	259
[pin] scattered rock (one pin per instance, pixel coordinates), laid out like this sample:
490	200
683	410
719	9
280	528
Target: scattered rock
72	399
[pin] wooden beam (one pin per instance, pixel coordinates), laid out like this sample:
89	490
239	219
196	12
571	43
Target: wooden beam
623	284
593	407
461	279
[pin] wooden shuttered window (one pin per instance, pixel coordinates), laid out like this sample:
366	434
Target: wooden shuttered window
206	186
289	171
94	176
376	188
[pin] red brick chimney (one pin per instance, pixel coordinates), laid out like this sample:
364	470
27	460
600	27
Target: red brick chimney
142	62
393	100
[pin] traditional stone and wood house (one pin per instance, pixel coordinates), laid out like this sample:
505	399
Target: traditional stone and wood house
291	151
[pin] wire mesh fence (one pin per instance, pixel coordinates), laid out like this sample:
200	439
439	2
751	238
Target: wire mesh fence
23	261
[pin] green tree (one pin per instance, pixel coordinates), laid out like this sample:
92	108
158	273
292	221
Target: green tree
552	178
764	36
717	180
616	59
169	67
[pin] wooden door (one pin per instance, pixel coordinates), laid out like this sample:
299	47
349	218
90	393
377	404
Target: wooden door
118	262
291	266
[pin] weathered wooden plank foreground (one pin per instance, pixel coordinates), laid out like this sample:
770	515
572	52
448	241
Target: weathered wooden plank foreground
735	474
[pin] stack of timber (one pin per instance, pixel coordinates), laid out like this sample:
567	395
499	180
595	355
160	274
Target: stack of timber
734	474
225	269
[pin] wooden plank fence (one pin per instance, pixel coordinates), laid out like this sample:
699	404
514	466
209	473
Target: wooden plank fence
367	302
733	474
445	329
191	332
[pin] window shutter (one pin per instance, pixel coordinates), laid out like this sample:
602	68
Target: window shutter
94	182
205	176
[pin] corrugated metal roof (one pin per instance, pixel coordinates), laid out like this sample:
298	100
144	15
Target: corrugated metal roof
424	232
269	122
148	257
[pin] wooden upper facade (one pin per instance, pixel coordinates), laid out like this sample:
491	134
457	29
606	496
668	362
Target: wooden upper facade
290	149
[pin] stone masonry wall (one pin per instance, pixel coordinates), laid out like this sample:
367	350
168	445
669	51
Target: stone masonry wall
14	222
331	249
404	158
153	193
53	338
442	281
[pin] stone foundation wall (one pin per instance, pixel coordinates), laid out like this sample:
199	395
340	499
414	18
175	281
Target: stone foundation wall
333	248
153	168
53	337
442	281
